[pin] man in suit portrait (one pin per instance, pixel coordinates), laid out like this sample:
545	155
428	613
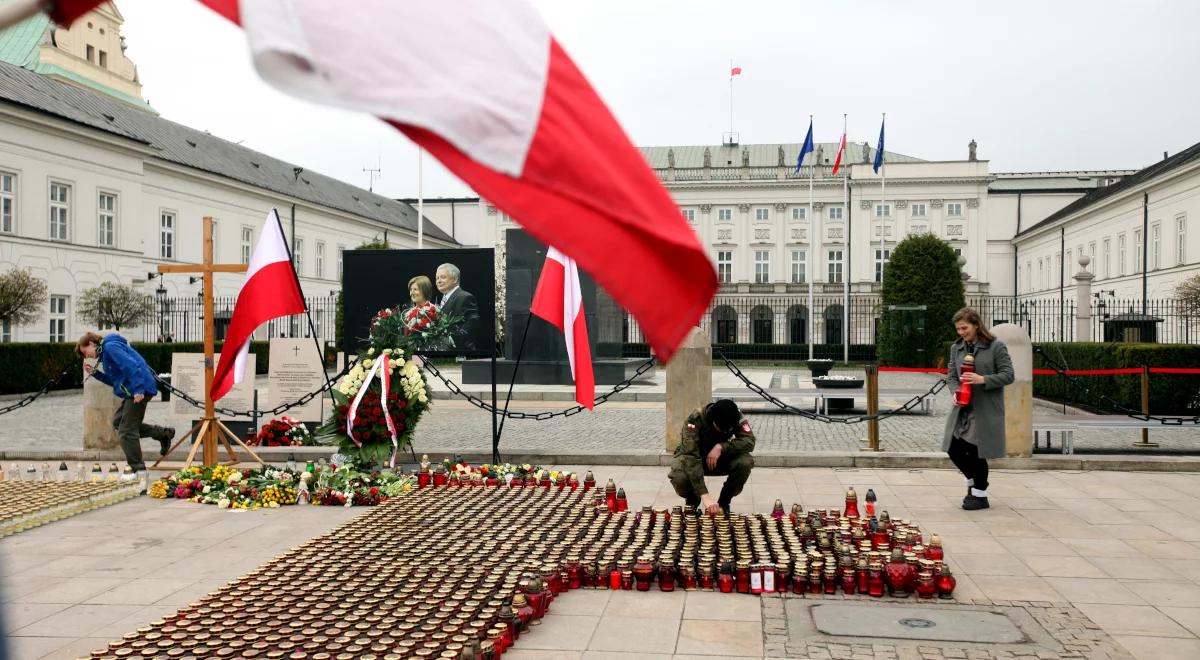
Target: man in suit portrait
456	301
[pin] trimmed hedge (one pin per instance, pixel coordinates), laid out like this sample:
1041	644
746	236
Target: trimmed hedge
923	271
1170	394
796	352
25	367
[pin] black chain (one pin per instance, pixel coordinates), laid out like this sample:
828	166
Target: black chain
540	416
273	412
852	419
1114	405
33	397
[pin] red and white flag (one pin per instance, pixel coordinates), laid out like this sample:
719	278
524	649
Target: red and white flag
559	300
837	163
484	87
270	290
735	71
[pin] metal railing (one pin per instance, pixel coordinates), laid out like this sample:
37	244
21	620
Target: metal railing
182	319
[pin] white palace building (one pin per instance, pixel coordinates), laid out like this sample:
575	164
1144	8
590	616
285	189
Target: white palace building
1013	231
96	186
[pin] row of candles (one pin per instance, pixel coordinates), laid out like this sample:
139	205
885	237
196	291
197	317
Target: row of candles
461	572
64	473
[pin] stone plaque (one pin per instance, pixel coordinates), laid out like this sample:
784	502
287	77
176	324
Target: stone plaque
187	374
295	370
915	623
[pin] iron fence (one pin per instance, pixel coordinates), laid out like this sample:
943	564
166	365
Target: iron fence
771	326
182	319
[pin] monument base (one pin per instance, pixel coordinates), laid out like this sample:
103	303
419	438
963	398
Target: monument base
607	371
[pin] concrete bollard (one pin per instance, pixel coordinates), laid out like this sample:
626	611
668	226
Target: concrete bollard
99	406
689	384
1018	397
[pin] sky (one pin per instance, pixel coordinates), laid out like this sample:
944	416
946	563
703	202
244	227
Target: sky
1041	86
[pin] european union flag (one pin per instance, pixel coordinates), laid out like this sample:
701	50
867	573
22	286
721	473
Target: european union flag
879	148
806	148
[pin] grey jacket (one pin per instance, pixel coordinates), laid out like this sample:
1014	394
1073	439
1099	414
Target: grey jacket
987	400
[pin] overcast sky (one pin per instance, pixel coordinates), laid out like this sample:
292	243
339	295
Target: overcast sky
1040	85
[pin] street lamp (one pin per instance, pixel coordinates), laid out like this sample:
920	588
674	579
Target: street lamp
161	295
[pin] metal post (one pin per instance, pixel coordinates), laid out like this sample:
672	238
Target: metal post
872	407
1145	408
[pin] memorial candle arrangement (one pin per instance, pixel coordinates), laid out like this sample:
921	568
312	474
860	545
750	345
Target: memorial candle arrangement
457	571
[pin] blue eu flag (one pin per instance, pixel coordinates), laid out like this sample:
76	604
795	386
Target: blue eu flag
879	149
806	148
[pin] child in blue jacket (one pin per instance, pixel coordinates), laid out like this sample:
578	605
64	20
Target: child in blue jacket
133	382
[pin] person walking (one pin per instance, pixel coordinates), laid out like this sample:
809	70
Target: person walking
132	380
975	431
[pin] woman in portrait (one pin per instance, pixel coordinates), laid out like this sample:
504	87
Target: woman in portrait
421	316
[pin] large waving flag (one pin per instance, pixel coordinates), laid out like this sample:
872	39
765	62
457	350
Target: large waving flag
484	87
270	290
806	148
559	300
879	148
837	163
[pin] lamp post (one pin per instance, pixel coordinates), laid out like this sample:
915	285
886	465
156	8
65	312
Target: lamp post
160	295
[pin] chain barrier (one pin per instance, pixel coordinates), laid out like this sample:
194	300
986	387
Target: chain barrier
539	416
1077	383
273	412
827	419
28	399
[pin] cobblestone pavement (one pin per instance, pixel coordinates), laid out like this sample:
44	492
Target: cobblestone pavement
619	427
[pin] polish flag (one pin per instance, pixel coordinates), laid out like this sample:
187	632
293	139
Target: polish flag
735	71
484	87
837	163
559	301
270	290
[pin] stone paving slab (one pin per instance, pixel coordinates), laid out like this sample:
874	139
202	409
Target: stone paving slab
47	574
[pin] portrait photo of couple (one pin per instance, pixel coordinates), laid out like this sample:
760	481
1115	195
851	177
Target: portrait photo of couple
441	308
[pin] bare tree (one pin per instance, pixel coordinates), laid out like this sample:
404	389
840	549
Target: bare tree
115	306
22	296
1188	294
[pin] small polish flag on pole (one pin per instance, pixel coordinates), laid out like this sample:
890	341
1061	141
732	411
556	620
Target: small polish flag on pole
559	301
735	71
271	290
837	163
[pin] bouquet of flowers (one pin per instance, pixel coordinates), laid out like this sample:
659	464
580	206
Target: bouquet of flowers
284	432
229	488
346	486
422	327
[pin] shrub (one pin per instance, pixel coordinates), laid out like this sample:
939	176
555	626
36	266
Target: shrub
25	367
923	270
1170	394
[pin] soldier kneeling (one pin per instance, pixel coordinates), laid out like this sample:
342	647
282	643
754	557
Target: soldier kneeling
716	440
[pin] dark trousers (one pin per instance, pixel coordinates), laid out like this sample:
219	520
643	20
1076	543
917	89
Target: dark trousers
736	468
131	429
965	457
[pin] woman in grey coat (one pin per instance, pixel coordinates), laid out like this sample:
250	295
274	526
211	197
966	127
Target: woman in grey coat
975	432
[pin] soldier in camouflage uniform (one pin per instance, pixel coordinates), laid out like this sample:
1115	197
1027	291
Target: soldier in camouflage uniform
715	441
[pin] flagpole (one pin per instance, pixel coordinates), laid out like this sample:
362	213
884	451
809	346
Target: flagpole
420	200
812	261
882	195
731	99
846	279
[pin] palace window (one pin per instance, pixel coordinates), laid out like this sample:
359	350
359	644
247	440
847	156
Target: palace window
298	255
166	235
762	266
799	213
725	215
1121	255
725	266
60	211
954	209
247	243
799	266
689	215
8	202
882	257
1180	239
319	259
762	214
916	210
1139	249
835	266
835	213
58	318
1155	246
106	219
883	210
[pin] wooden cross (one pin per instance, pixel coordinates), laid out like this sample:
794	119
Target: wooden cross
209	430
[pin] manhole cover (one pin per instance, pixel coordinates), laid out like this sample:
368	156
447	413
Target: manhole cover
916	623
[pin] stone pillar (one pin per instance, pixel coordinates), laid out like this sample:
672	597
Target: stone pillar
99	405
689	383
1083	300
1018	397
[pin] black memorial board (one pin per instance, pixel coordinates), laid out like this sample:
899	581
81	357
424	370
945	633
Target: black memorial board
376	279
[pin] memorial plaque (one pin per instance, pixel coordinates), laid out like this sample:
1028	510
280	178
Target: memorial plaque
295	370
187	374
